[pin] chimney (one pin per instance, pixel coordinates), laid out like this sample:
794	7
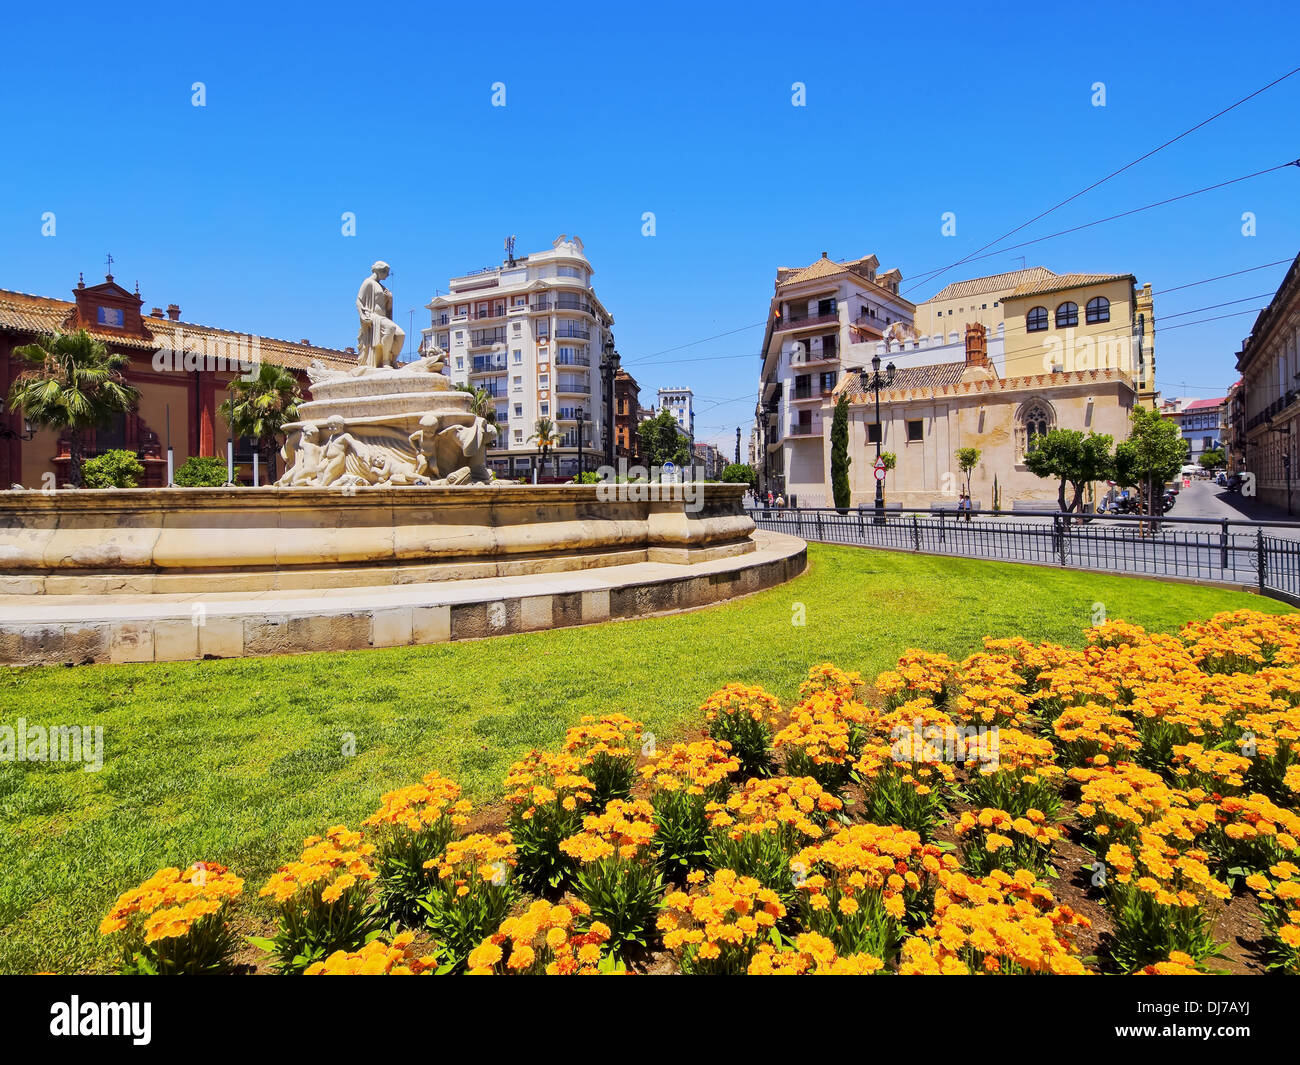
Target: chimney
174	312
157	312
977	345
304	340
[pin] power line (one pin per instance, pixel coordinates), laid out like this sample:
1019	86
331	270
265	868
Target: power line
1220	277
1125	214
1214	306
1112	174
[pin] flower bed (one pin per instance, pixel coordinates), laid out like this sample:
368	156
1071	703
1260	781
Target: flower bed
1029	809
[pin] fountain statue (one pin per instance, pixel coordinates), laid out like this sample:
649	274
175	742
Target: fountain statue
383	424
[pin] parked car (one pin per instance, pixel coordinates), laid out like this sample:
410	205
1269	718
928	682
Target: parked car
1233	483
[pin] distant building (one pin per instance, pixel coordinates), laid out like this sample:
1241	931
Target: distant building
182	370
1200	421
532	333
1269	362
821	317
627	417
680	402
710	460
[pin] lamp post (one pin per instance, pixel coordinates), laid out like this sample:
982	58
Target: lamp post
582	424
875	383
609	367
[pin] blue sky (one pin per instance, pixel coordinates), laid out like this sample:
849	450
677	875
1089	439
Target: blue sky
232	210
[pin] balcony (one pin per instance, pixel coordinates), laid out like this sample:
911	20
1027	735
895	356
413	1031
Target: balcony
806	429
542	305
485	338
488	363
806	322
573	303
573	388
572	360
572	332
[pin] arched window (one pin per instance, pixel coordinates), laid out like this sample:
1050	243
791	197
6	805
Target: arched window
1067	314
1036	320
1033	421
1098	310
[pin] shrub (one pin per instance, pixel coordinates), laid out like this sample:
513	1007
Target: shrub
112	469
175	923
993	839
201	471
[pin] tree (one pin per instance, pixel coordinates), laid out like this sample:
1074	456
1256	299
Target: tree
889	459
740	473
1074	459
840	460
1152	455
261	407
482	403
74	383
1213	459
967	459
545	437
662	441
113	469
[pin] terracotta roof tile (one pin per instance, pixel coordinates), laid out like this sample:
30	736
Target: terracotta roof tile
1057	282
914	378
977	286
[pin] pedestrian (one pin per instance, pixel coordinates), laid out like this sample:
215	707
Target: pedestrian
964	504
770	499
780	501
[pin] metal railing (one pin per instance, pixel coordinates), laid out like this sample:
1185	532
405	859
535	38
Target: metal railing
1230	551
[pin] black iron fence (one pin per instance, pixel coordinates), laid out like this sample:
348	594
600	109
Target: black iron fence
1235	551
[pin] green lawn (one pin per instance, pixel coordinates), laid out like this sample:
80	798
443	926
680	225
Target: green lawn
235	761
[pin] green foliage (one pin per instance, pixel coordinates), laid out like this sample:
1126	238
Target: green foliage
400	857
75	383
681	832
1213	459
840	460
482	402
750	738
545	436
626	895
588	477
201	471
740	473
112	469
261	407
662	441
1153	453
543	869
997	495
311	929
460	923
889	459
1073	458
967	459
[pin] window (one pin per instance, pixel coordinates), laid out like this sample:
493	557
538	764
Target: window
915	430
519	436
517	355
544	380
518	384
1067	315
544	409
1034	420
825	307
1036	320
519	327
1098	310
519	410
873	433
460	362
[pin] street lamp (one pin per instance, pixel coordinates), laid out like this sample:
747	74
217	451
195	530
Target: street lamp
582	424
875	383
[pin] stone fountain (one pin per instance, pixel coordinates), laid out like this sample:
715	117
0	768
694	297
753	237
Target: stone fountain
385	529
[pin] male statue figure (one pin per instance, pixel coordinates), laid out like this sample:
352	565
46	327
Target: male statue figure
380	340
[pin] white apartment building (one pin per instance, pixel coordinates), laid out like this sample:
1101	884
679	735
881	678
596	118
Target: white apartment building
822	319
680	402
532	333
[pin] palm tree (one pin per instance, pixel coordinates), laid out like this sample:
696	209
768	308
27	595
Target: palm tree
482	403
260	408
544	434
76	384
